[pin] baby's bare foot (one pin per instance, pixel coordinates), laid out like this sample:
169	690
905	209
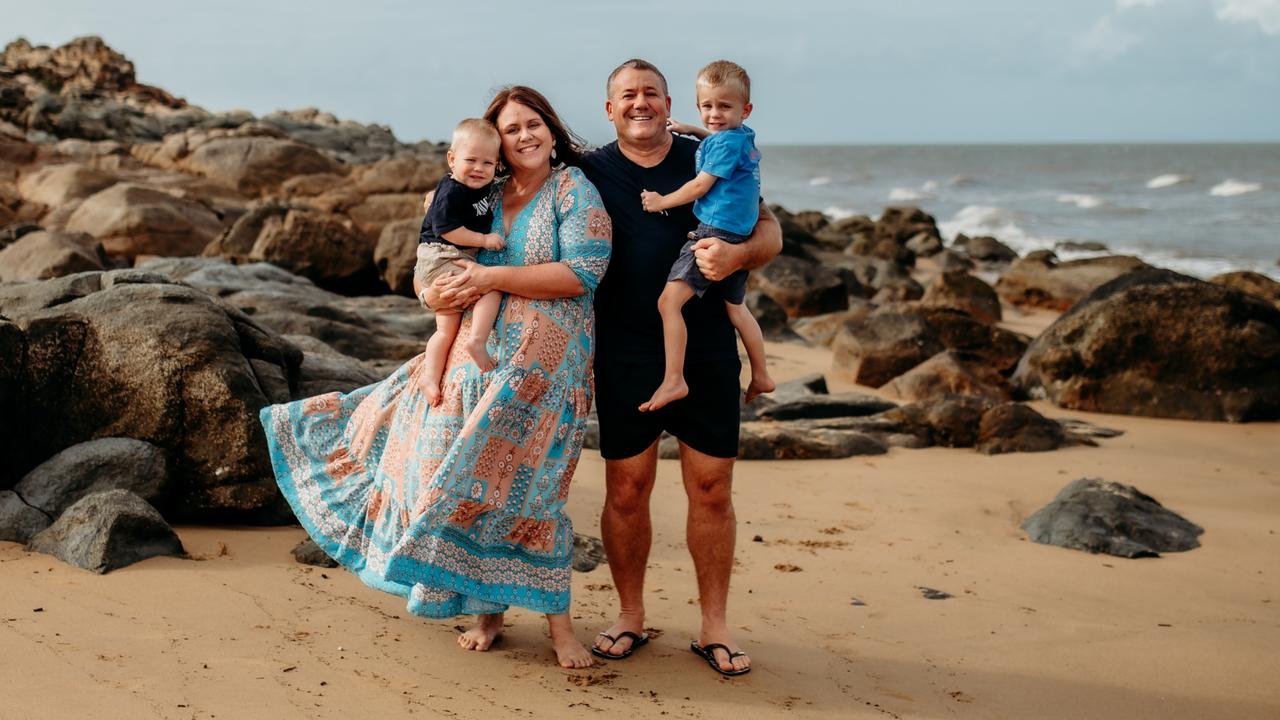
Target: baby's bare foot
759	384
668	392
488	628
480	354
432	393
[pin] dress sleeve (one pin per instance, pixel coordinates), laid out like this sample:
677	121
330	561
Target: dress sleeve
585	230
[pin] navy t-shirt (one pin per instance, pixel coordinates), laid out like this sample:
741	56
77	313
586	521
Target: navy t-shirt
455	205
645	245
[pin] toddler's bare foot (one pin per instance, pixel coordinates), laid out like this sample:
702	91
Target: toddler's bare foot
432	393
480	354
668	392
480	638
569	652
759	384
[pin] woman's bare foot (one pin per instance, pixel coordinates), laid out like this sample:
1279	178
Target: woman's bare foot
480	354
569	652
761	383
480	638
671	390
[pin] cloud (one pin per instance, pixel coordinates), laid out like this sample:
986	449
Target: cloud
1264	12
1103	42
1130	4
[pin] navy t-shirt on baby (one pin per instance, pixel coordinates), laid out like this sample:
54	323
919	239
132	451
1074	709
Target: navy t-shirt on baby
455	205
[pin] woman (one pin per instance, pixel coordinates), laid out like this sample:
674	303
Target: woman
460	507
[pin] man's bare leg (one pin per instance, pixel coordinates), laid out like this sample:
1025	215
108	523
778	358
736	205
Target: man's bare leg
627	532
674	337
711	532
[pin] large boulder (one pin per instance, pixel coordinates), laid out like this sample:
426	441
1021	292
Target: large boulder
1097	516
1161	344
874	350
107	531
95	466
985	248
55	185
45	254
132	220
770	316
801	288
396	254
1039	280
19	522
822	329
802	441
400	175
883	279
838	234
949	373
253	165
962	291
901	224
130	354
1252	283
375	212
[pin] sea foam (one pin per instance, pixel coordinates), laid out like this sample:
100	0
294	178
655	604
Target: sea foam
1084	202
820	180
1164	181
1227	188
908	195
998	222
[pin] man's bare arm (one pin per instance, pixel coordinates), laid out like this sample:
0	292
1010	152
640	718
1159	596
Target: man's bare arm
718	259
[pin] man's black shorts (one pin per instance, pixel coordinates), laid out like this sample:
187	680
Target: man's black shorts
706	420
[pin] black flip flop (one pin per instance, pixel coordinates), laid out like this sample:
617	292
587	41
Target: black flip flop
708	653
637	642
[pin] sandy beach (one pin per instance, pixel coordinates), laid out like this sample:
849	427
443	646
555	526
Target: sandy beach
831	558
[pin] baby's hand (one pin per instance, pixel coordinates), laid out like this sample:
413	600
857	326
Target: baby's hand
651	201
494	241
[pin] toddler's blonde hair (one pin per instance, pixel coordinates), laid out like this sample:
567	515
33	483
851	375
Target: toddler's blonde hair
474	128
723	72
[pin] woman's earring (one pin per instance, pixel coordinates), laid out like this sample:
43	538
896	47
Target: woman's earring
553	152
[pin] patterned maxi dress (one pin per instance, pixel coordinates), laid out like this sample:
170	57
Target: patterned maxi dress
460	508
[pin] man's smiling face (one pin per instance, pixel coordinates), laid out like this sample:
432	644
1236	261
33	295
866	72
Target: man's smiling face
638	106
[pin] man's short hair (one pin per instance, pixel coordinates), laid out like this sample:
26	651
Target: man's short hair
635	64
723	72
476	128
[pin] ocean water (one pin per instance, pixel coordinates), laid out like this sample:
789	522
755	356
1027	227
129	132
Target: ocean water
1201	209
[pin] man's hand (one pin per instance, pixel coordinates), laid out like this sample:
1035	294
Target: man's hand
494	241
716	258
652	201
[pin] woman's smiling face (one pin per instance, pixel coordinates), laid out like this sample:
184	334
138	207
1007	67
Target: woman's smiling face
526	139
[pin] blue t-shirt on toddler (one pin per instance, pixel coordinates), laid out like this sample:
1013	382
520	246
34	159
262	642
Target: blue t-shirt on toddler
733	203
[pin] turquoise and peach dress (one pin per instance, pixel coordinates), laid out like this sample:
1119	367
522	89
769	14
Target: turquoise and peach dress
459	508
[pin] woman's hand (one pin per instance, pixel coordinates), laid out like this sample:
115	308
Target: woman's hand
447	292
467	286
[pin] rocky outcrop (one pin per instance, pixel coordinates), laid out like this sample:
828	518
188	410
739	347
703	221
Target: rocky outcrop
55	185
985	248
1039	280
1252	283
42	255
1098	516
131	220
959	290
801	288
107	531
396	254
1161	344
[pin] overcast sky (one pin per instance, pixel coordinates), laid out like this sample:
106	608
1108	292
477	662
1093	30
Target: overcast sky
823	71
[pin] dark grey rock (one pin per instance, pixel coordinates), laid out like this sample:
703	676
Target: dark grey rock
588	553
986	249
800	388
800	440
801	287
308	552
1098	516
771	316
107	531
826	406
19	522
95	466
1014	427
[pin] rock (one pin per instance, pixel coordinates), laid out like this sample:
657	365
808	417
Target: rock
951	260
962	291
994	347
106	531
1252	283
985	248
949	373
840	233
55	185
1039	280
127	353
801	441
19	522
1080	246
400	175
1160	344
801	288
882	346
771	317
308	552
901	224
588	553
822	329
9	234
924	245
879	247
253	165
816	406
113	463
1014	427
396	254
132	220
325	370
375	212
885	280
42	255
798	389
1098	516
304	242
952	420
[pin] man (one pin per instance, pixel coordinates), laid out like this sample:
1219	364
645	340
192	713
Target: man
629	365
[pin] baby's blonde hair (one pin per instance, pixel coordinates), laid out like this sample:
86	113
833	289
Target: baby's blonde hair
723	72
474	128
